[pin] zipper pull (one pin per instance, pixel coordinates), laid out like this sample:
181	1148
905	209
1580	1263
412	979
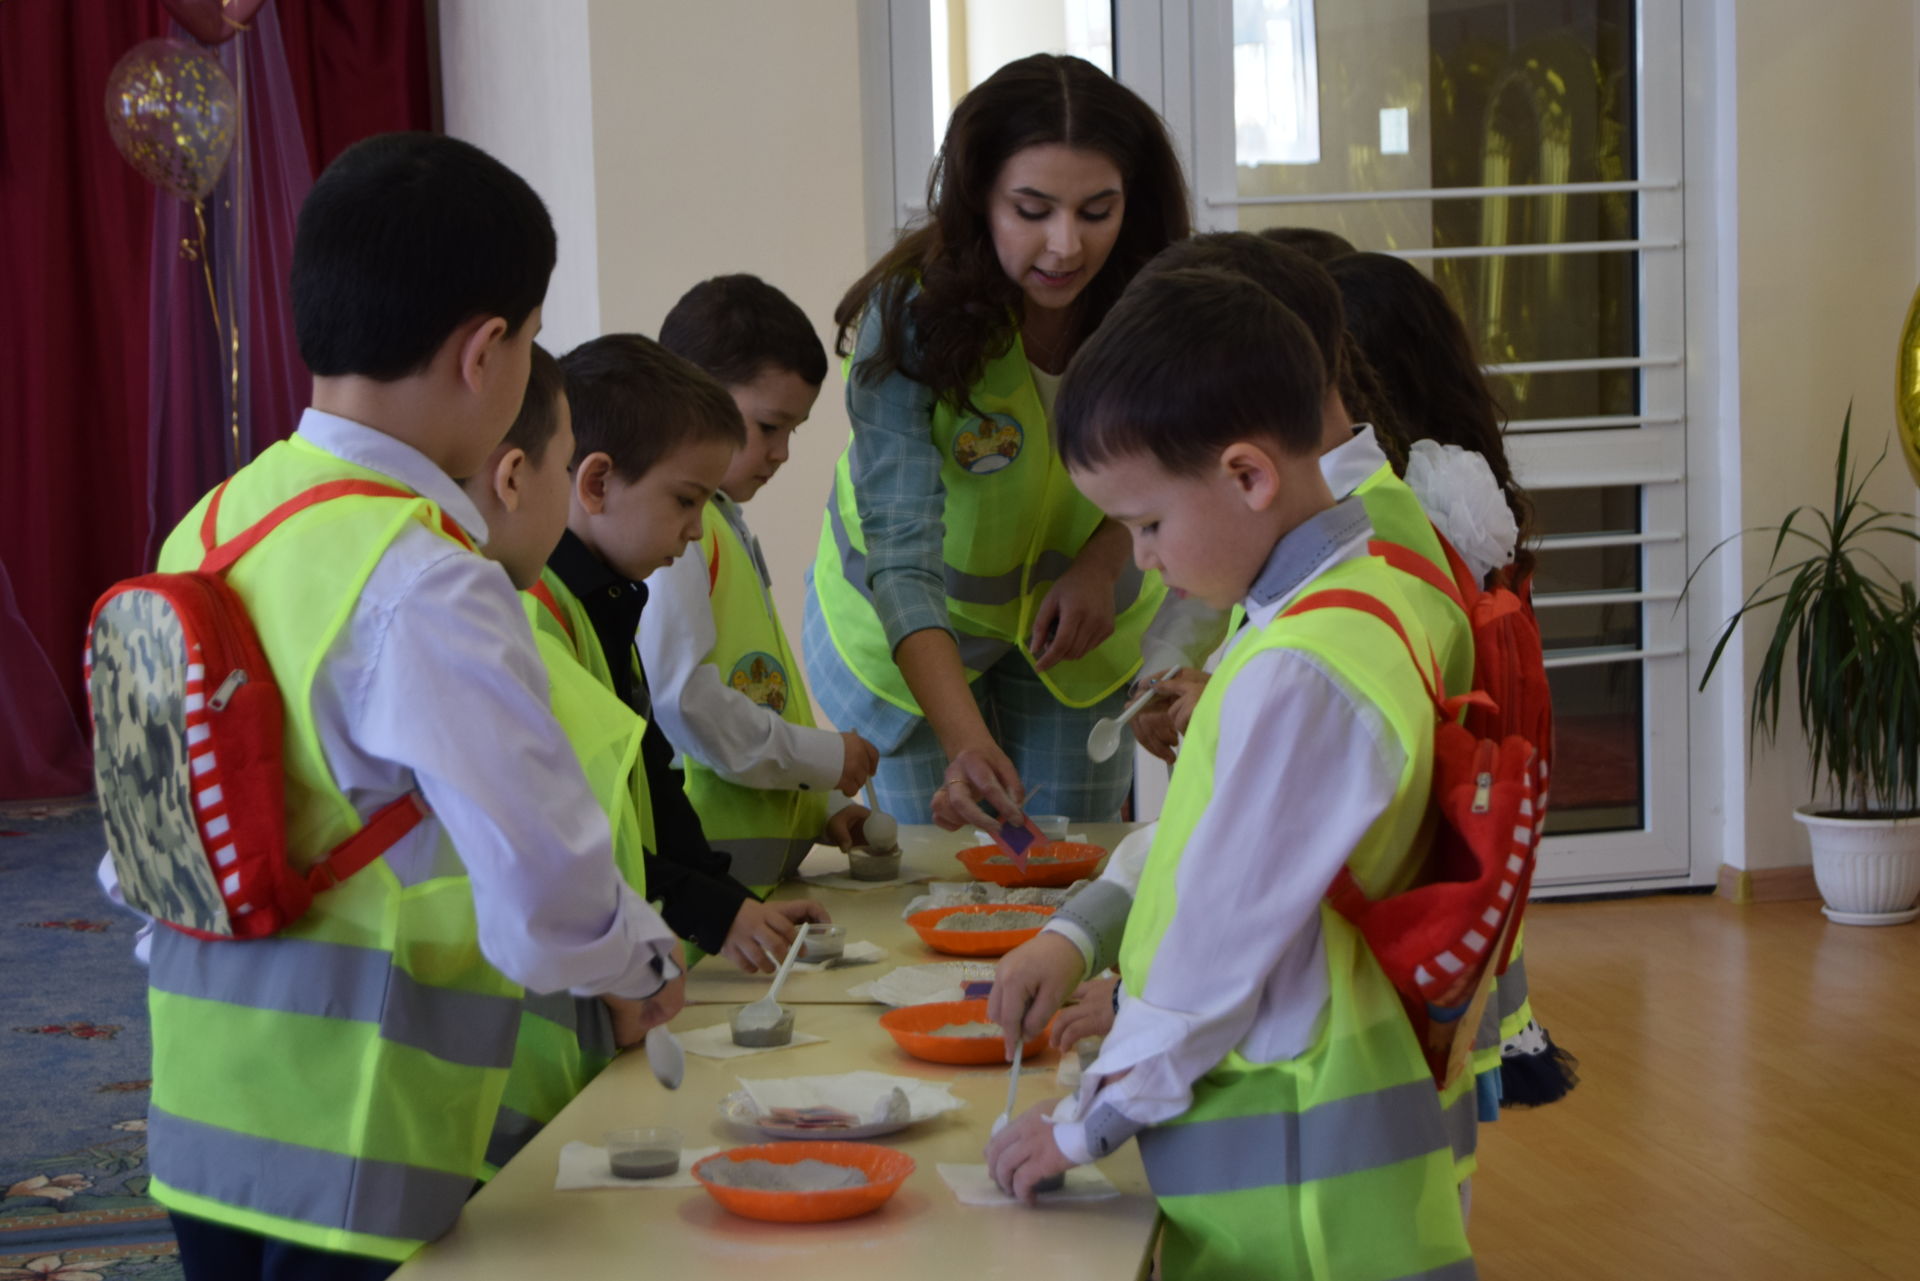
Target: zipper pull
1484	757
235	679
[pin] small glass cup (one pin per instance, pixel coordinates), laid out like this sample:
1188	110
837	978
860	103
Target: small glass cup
643	1152
1052	826
823	943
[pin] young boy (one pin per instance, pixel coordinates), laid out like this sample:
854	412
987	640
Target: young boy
764	780
522	494
331	1088
653	438
1286	1116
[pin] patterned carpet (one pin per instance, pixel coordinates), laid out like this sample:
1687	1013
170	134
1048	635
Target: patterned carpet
73	1064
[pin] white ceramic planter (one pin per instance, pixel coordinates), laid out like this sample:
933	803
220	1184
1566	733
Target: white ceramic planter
1868	870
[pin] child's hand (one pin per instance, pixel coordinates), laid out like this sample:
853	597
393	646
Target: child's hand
632	1020
1024	1153
844	826
859	761
1091	1014
1030	983
762	932
1153	729
1185	688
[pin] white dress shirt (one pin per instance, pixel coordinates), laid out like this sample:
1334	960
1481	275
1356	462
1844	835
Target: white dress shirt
1303	769
742	741
434	684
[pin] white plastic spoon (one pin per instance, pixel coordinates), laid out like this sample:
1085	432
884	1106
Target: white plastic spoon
765	1012
1104	740
665	1057
881	831
1013	1088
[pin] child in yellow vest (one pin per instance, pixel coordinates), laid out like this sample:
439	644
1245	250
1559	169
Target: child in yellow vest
322	1097
521	492
1285	1113
766	782
653	437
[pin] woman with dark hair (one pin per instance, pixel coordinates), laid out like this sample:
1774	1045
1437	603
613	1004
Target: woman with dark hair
969	612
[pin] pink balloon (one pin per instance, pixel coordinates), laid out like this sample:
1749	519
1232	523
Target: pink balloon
212	21
172	110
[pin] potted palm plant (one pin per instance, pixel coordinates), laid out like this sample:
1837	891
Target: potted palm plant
1848	629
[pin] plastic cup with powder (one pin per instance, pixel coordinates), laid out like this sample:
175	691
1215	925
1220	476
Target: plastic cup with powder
644	1152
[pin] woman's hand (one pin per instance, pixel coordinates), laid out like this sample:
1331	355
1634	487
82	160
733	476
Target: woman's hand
978	774
1077	613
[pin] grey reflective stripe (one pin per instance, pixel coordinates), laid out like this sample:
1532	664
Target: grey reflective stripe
511	1132
593	1033
1462	1119
1100	908
1487	1035
971	589
1463	1270
307	1185
1272	1149
1511	991
336	981
762	860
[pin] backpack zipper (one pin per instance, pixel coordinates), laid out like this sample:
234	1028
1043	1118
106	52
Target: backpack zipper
1483	779
235	679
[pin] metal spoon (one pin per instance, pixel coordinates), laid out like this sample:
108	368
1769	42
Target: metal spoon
1104	740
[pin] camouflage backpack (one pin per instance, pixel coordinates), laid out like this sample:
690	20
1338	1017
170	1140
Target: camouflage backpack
187	726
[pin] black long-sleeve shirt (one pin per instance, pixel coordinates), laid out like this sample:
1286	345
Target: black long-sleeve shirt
698	898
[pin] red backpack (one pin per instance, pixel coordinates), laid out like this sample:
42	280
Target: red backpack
187	737
1440	941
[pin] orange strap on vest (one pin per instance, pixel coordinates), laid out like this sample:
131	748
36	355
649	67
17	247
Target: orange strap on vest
544	594
221	556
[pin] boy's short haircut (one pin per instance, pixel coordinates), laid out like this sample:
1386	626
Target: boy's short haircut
404	238
636	402
539	416
738	327
1301	284
1315	242
1185	364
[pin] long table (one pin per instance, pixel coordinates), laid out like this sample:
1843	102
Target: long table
519	1226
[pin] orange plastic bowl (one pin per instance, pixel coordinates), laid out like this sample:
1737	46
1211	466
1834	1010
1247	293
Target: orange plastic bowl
912	1027
885	1168
975	942
1072	861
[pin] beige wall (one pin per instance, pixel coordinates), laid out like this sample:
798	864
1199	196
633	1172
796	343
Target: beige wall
727	138
1827	261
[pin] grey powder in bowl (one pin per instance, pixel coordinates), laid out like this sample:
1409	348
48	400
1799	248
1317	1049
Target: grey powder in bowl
979	922
771	1176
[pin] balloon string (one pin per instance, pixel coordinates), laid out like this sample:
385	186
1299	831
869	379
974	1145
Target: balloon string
206	269
237	186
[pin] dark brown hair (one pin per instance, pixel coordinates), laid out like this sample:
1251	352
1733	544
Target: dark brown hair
738	327
636	402
1417	344
539	416
1185	364
1304	288
966	310
1315	242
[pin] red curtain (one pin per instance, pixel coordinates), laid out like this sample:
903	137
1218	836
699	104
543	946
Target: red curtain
75	249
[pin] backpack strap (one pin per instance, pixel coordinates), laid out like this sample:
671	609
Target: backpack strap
1346	598
544	594
1408	561
220	557
380	834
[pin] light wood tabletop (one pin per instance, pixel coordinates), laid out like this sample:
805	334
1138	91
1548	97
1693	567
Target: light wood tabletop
518	1226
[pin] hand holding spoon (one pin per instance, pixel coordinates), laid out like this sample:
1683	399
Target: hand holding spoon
1104	740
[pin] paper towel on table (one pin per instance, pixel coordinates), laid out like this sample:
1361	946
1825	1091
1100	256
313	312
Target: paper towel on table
974	1186
582	1165
716	1042
861	953
842	881
862	1094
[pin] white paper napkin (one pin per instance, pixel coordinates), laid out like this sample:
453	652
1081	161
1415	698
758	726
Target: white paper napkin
974	1186
716	1042
583	1165
861	953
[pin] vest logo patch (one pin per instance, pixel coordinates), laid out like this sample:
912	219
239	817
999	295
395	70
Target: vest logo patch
761	678
990	444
